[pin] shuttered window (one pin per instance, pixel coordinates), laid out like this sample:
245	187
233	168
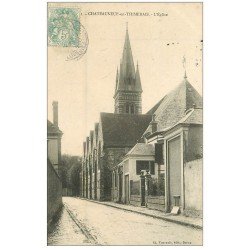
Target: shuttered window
159	153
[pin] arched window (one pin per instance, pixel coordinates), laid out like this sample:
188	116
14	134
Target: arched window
127	108
132	109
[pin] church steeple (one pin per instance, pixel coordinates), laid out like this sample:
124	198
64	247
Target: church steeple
137	79
117	79
128	86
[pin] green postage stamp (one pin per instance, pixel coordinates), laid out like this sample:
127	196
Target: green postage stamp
64	27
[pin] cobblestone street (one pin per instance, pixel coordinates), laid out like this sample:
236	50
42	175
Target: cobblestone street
105	225
65	231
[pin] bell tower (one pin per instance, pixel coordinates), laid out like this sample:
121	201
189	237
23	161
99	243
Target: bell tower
128	83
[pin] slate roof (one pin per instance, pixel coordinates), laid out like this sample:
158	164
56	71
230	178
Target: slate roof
52	129
193	116
171	108
123	130
142	149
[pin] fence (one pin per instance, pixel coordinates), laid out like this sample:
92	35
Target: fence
156	193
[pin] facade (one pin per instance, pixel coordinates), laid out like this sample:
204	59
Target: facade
150	159
182	149
175	137
109	147
126	176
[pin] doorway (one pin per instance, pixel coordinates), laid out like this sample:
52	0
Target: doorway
174	170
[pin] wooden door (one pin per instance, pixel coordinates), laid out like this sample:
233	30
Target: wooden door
174	169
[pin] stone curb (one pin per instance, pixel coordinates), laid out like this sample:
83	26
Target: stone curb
84	230
184	223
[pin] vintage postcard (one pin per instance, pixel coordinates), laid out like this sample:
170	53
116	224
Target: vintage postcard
125	125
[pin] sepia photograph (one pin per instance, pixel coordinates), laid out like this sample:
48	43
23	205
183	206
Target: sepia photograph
124	124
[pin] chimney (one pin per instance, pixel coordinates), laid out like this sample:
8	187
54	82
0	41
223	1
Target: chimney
55	113
153	124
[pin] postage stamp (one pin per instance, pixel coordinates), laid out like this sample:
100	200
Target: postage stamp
63	27
66	30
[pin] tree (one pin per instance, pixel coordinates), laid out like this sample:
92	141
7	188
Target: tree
71	166
74	178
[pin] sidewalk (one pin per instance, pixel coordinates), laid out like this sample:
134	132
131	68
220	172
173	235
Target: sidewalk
179	219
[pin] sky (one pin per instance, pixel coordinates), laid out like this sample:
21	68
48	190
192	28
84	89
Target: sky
85	87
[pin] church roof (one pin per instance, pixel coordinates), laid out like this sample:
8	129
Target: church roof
52	129
123	130
127	79
171	108
142	149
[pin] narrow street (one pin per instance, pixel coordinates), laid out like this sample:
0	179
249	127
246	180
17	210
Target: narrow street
65	231
110	226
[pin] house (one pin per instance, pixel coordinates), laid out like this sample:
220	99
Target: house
180	113
126	177
183	160
181	108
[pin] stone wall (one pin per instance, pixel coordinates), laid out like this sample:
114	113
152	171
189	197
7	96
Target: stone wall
156	202
193	188
135	200
54	192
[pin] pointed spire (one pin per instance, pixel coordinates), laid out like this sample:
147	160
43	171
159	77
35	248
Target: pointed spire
185	75
128	77
184	66
117	79
137	79
127	65
128	82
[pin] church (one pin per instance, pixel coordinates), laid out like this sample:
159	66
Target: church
115	133
166	142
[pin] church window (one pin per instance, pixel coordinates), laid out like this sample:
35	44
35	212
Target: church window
132	109
127	108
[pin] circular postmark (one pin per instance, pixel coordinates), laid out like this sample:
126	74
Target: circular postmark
65	30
